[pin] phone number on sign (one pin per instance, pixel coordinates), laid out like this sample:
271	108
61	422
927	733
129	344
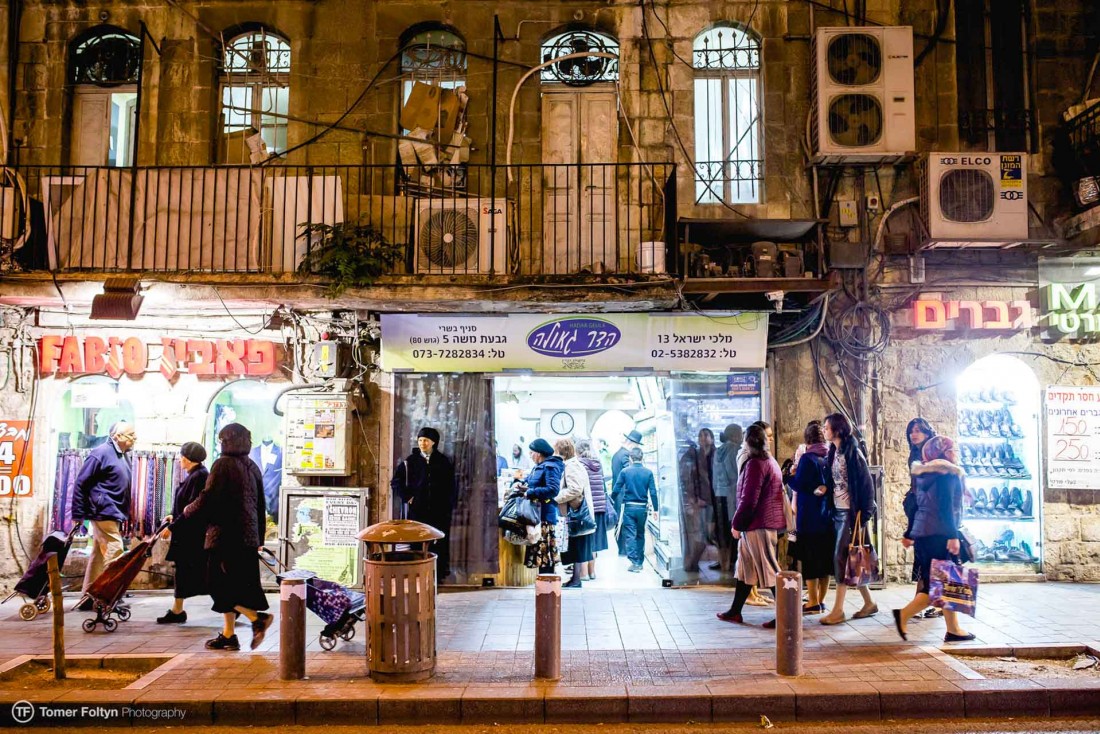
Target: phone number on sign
693	353
457	354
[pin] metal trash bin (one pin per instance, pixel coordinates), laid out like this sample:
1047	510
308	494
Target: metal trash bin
400	590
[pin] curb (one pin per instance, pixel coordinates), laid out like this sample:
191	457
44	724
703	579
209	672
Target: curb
344	704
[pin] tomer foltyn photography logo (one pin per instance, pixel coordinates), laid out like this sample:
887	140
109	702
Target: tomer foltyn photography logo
22	712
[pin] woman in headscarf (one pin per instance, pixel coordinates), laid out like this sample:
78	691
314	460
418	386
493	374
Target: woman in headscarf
934	529
186	548
917	433
543	485
232	509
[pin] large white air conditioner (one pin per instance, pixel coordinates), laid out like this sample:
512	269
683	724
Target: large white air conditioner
462	236
862	94
975	197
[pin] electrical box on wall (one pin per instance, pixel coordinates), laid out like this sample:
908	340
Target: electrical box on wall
847	214
318	434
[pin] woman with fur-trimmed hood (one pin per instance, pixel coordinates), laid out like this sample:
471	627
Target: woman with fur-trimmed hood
934	526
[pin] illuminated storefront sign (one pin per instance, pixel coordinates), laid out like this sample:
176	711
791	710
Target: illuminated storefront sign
1068	298
936	315
118	356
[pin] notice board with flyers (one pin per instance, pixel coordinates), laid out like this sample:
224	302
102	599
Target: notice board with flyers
318	435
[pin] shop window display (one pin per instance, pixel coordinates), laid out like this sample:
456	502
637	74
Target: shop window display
998	431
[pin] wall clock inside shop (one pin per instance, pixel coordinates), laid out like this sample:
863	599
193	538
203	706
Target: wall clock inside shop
561	423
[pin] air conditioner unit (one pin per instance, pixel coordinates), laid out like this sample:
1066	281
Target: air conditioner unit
462	236
975	197
862	94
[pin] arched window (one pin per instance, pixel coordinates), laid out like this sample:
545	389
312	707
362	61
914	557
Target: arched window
255	90
105	56
104	65
432	54
728	158
580	72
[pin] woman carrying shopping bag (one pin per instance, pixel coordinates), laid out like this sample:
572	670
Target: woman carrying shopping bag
543	485
851	495
933	531
575	503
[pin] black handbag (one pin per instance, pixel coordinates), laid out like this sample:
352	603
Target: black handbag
518	513
580	519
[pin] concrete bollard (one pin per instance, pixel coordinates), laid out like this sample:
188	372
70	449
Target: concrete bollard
548	627
292	629
788	623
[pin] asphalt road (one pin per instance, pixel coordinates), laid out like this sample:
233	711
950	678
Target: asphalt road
970	726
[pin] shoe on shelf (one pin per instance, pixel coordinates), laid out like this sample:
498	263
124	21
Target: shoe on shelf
958	638
221	642
1028	507
259	628
172	618
730	617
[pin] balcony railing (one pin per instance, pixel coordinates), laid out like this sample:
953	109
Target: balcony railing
520	220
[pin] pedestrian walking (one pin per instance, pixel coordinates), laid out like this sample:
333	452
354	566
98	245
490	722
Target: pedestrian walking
574	494
725	494
186	548
543	484
601	507
638	491
425	482
619	461
233	510
696	485
850	493
917	433
933	532
755	600
815	542
101	495
756	524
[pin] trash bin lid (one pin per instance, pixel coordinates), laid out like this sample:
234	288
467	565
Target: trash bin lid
400	531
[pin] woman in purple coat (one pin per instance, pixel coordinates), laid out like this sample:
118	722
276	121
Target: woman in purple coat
756	524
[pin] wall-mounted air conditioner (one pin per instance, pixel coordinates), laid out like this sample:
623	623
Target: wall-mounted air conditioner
973	197
462	236
862	93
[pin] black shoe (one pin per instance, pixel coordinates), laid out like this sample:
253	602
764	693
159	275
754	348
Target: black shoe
221	642
897	624
574	583
85	606
172	618
259	628
958	638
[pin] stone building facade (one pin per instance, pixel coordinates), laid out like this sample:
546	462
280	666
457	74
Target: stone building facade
345	79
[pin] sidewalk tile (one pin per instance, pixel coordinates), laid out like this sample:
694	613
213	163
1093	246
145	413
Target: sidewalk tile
671	704
253	707
920	700
585	704
1000	698
337	706
750	700
410	704
825	701
514	704
1074	700
197	707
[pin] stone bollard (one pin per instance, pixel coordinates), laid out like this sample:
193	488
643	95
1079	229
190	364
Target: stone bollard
292	629
548	627
788	623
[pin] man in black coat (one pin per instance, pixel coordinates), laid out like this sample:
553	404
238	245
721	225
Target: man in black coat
425	482
620	461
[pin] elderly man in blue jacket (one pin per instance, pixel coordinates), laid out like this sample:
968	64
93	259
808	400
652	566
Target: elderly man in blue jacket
102	496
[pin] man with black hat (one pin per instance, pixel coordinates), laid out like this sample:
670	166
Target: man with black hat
425	482
620	461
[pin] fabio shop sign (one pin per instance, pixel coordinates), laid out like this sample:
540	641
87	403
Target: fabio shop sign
605	342
117	356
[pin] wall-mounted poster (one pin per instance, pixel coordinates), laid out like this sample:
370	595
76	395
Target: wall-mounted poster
317	437
16	456
1073	437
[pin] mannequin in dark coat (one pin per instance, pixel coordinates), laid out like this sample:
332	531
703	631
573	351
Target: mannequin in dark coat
232	509
186	549
425	482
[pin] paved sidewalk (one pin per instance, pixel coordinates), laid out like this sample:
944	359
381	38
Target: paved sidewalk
646	655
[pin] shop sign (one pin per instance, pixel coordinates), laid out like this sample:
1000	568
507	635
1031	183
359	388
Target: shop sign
936	315
16	459
612	342
1068	298
117	356
743	384
1073	437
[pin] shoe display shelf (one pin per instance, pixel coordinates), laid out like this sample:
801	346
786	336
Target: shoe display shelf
1001	504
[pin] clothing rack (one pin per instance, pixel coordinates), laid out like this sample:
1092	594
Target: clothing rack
154	475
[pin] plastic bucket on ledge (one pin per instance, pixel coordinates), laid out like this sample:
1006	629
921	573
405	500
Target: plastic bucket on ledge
651	257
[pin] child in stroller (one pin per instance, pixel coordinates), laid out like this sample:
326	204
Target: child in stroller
339	607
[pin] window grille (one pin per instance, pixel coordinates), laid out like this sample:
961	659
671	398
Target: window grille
580	72
255	87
